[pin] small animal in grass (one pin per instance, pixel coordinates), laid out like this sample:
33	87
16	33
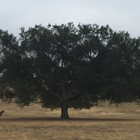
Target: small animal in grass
1	113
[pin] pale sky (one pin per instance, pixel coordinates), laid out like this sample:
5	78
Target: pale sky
121	15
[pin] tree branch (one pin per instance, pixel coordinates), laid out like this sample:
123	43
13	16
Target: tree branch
46	90
72	96
63	89
72	89
55	94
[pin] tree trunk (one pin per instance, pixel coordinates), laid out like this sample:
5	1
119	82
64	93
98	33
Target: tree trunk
64	110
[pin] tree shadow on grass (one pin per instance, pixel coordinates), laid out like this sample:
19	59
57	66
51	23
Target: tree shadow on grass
71	119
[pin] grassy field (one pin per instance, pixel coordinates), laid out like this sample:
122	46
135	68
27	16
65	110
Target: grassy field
105	122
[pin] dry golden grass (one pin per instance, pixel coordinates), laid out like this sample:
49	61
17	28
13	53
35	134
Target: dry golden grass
104	122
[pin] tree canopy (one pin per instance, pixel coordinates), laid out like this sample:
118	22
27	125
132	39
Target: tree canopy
67	66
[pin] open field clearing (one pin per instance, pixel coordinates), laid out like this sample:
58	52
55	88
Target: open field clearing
105	122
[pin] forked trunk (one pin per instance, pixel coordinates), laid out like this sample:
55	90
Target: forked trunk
64	110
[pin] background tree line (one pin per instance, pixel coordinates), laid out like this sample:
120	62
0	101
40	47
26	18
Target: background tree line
69	66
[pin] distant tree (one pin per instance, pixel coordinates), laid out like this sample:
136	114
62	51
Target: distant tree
122	62
8	53
135	88
55	65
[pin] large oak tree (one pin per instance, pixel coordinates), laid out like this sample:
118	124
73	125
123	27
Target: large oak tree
55	65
